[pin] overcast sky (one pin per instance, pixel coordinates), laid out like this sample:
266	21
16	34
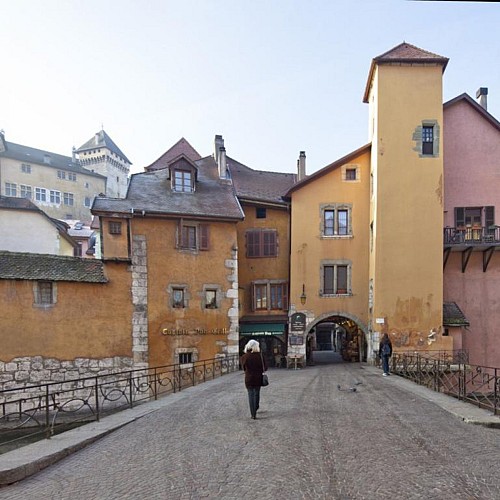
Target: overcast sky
273	77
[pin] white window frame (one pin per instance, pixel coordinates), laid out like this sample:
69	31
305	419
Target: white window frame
11	189
40	194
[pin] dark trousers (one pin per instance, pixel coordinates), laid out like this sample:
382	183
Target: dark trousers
385	363
253	399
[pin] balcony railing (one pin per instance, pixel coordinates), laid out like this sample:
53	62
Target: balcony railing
472	235
31	413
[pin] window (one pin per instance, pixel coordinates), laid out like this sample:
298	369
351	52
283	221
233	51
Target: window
61	174
182	181
336	220
69	199
26	192
40	194
192	236
211	299
10	189
115	227
427	140
473	216
71	176
336	278
350	174
86	202
44	293
47	159
55	197
261	243
270	295
185	358
178	298
25	168
77	251
260	213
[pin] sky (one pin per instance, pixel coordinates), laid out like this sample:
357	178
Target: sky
273	77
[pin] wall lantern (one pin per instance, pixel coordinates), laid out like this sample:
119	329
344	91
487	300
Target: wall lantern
303	296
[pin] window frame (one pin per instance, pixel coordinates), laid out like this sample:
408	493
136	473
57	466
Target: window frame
55	196
45	293
336	226
184	183
69	199
25	168
178	297
263	298
261	243
40	194
115	227
26	191
329	286
11	189
192	236
428	133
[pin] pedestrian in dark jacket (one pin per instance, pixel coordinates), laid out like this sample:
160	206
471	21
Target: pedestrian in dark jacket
385	352
254	365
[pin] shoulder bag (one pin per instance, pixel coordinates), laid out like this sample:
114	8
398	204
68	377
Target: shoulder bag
265	378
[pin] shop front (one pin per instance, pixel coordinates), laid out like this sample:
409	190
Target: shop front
272	340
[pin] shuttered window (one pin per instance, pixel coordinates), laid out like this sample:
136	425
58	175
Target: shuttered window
261	243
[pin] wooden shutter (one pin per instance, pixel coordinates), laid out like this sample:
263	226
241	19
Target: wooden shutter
459	216
269	244
253	243
489	217
204	242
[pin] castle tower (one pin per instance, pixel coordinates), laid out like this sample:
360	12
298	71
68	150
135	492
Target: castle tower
101	155
404	92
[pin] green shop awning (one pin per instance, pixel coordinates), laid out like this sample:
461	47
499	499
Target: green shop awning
256	329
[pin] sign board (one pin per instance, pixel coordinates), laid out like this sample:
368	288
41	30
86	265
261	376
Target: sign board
298	323
379	321
296	340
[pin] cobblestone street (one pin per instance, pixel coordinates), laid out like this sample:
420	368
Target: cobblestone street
310	441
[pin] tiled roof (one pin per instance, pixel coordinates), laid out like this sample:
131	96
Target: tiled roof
453	316
151	192
259	185
102	140
469	100
404	53
33	155
329	168
181	147
30	266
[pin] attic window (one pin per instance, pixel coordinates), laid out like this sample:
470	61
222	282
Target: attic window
115	228
182	181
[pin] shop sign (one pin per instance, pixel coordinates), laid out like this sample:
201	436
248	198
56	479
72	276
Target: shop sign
296	340
298	323
194	331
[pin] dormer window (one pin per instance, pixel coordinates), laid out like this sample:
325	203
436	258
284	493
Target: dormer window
182	181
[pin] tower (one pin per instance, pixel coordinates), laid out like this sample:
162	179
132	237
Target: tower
404	92
101	155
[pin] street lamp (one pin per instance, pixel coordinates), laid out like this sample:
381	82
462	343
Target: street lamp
303	296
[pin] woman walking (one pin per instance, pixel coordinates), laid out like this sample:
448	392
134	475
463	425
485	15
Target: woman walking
254	365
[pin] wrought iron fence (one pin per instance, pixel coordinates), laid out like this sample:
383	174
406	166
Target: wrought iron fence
450	373
35	412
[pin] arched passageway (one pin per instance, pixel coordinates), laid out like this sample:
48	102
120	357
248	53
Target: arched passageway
336	339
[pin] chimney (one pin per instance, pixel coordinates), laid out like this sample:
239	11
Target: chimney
482	97
219	143
73	154
222	163
97	138
301	166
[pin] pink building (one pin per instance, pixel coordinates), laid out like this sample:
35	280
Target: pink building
471	235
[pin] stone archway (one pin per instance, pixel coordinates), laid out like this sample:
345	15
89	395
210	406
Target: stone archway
341	334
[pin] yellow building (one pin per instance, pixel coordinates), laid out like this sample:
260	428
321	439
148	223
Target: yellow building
366	251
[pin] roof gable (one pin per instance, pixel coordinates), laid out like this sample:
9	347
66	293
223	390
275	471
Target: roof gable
404	53
181	147
326	170
465	98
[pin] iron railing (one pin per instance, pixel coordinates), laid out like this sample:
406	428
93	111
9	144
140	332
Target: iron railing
34	412
450	373
471	235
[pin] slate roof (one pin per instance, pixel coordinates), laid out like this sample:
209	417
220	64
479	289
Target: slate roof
325	170
404	53
259	185
453	316
102	140
181	147
151	192
30	266
469	100
33	155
